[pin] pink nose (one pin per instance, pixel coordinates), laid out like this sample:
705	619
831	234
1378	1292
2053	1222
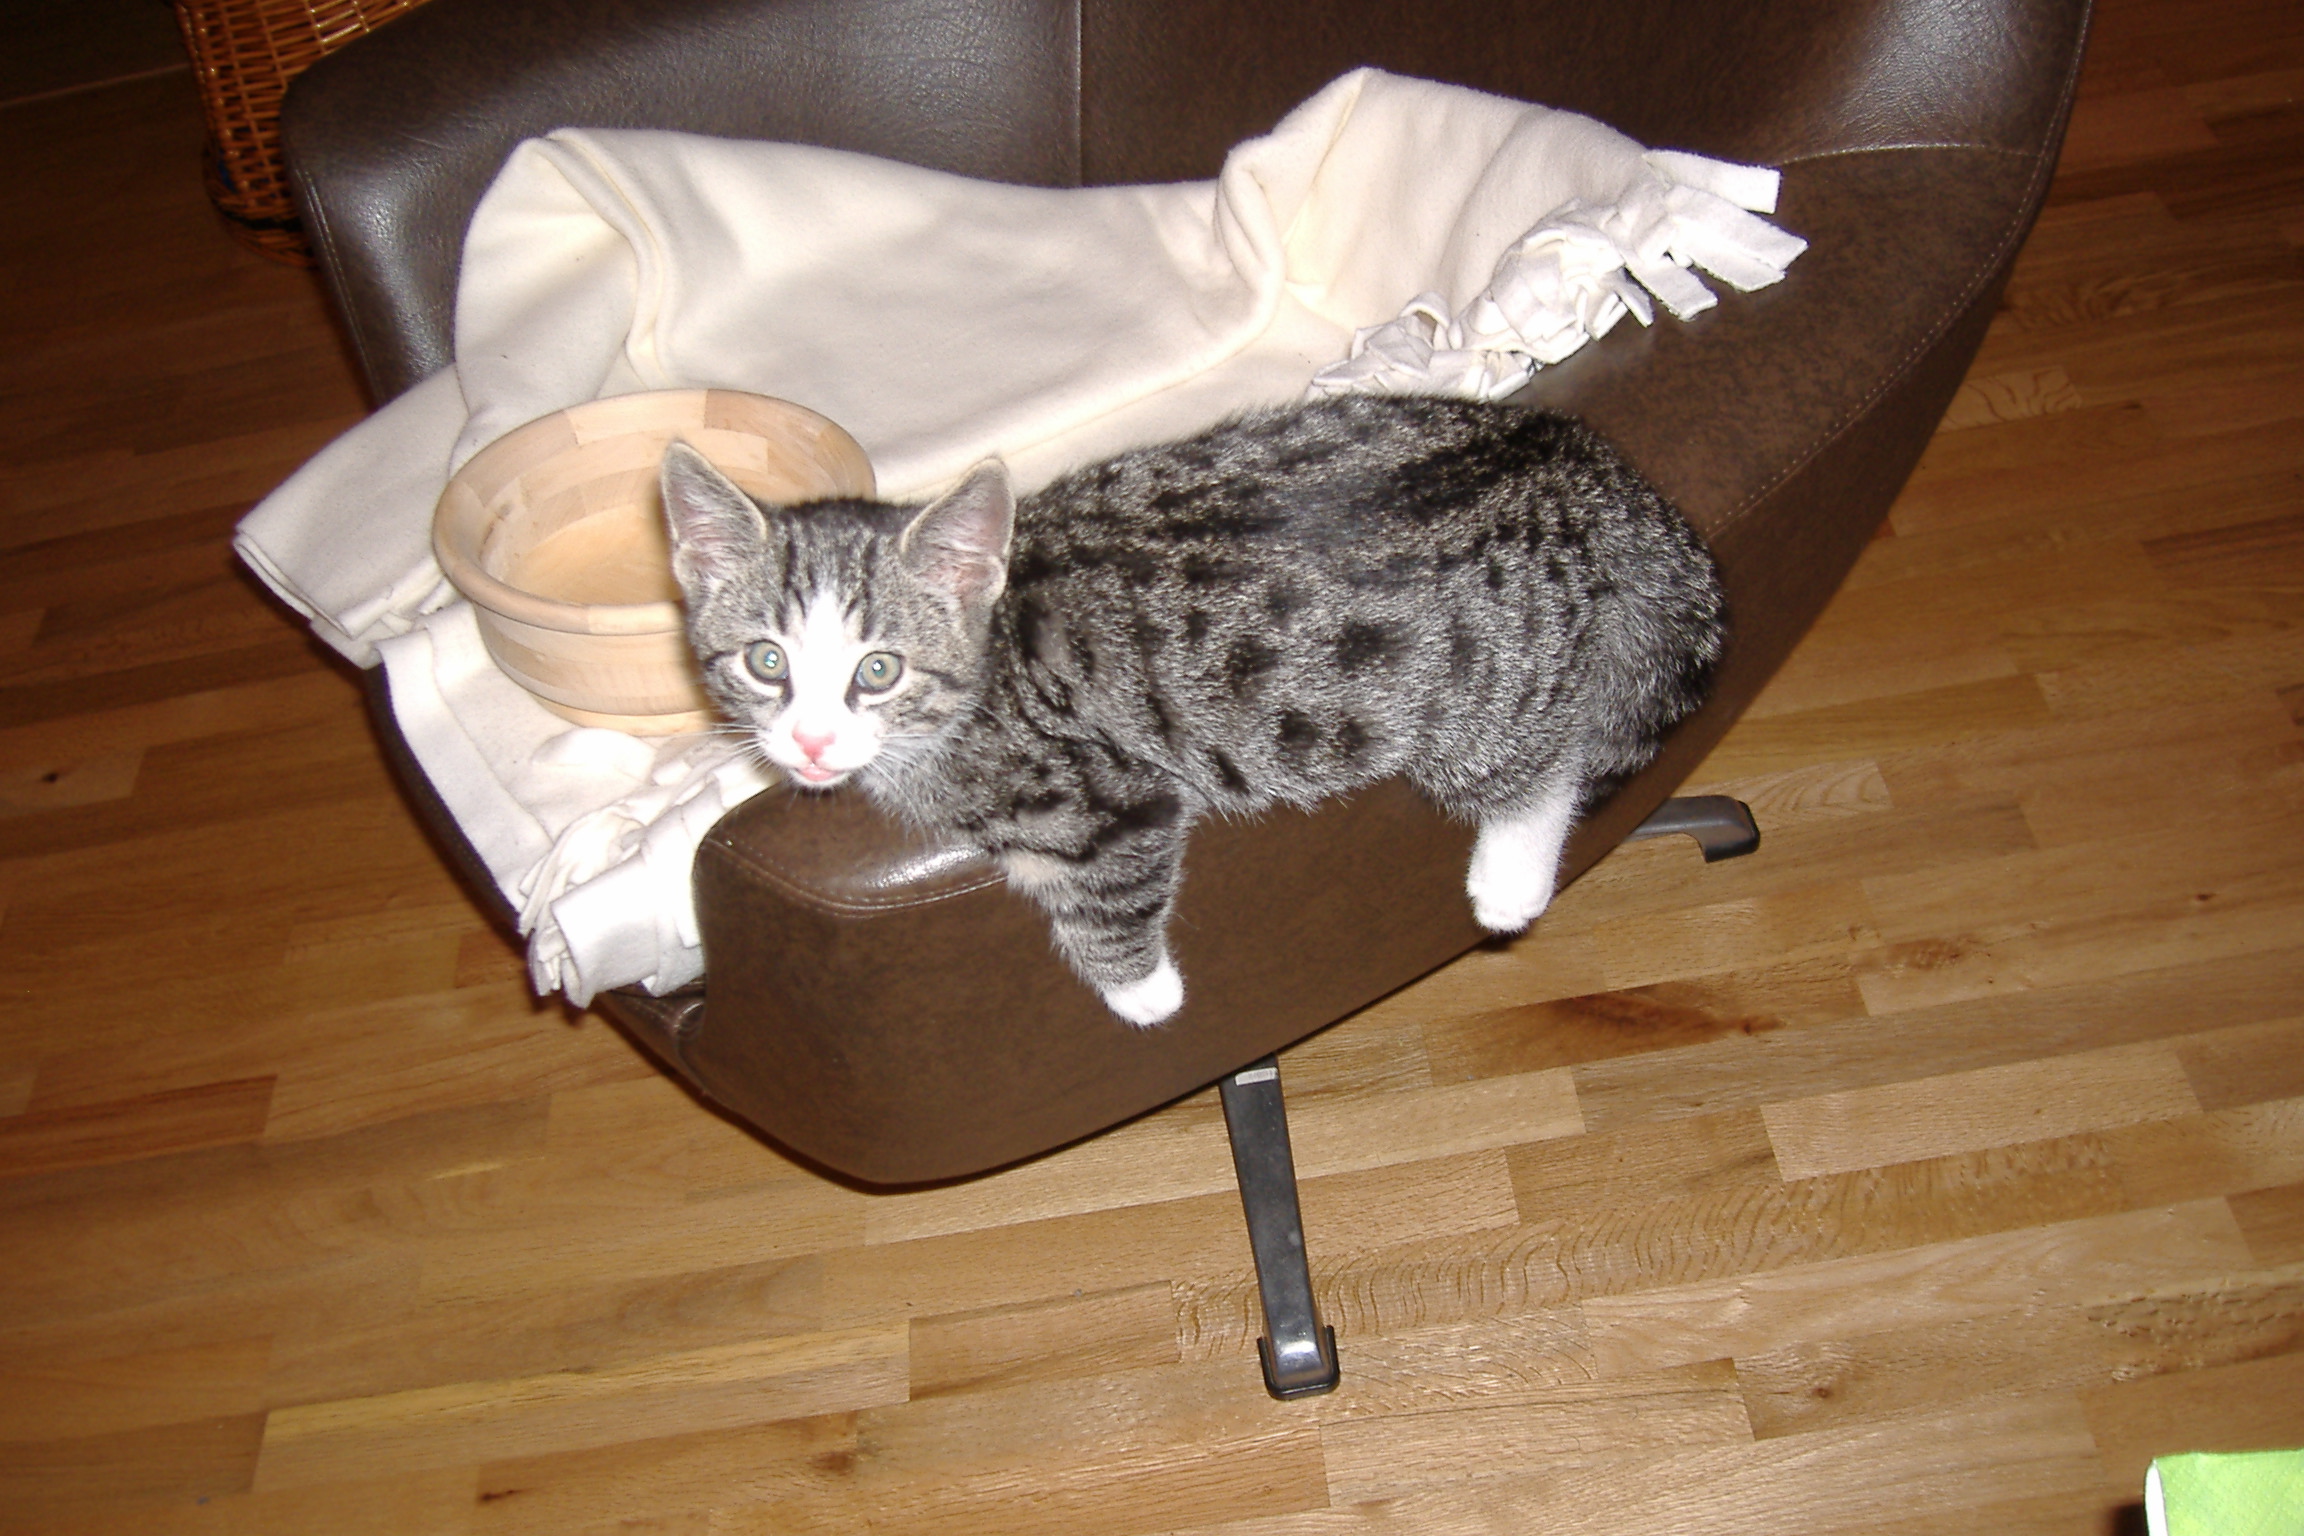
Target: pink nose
814	746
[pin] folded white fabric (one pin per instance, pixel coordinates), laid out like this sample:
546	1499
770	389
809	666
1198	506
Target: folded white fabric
590	833
940	320
347	539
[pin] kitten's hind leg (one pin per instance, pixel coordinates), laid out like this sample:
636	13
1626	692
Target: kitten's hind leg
1516	861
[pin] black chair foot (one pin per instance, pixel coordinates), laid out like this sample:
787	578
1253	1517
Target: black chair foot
1721	824
1297	1351
1320	1374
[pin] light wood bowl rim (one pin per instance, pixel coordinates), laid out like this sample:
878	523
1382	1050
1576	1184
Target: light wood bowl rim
461	515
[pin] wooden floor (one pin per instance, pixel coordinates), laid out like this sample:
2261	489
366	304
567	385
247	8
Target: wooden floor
1929	1171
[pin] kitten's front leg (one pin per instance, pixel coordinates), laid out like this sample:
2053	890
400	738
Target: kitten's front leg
1152	999
1108	913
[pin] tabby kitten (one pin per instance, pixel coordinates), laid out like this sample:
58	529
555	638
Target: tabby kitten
1484	599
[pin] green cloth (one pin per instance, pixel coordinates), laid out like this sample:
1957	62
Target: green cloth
2251	1493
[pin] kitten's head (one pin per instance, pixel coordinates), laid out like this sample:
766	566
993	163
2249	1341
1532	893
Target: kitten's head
845	634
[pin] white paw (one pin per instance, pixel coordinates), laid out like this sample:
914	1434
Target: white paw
1508	898
1516	864
1150	999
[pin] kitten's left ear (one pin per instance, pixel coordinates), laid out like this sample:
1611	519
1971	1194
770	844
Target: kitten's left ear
959	542
715	527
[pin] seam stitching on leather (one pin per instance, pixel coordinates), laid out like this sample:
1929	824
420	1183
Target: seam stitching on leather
1890	149
2044	169
320	232
792	888
1079	104
2010	238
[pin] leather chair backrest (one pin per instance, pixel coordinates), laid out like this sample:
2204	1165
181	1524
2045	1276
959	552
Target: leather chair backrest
1168	85
392	141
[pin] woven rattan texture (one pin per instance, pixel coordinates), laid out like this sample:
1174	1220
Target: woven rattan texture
244	53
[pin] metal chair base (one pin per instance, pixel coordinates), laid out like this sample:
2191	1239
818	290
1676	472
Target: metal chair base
1297	1350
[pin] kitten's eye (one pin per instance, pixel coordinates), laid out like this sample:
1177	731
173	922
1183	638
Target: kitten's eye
878	672
765	660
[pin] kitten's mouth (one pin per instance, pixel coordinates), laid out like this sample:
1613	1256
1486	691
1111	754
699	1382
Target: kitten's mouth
819	775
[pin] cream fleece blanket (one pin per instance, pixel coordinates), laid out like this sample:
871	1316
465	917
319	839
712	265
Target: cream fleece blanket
1390	234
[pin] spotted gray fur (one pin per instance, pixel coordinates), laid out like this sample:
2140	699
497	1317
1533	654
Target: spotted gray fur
1483	599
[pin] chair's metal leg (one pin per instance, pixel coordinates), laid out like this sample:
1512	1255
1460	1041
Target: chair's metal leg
1299	1354
1297	1350
1721	824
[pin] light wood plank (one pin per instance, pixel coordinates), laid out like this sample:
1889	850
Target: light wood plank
2274	1221
1194	1240
2246	1064
1381	1458
803	1465
153	1125
1936	1367
1490	1362
1961	1466
2224	1152
463	1422
2257	1405
1970	1111
1928	1040
2089	1260
63	1396
1087	1336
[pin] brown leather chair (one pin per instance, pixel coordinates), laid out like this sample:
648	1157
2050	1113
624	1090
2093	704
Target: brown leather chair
884	1006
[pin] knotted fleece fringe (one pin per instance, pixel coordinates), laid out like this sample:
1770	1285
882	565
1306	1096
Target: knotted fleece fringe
1572	277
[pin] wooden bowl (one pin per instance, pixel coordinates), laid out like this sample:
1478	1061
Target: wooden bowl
555	532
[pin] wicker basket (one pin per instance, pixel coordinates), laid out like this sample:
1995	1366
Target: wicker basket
244	53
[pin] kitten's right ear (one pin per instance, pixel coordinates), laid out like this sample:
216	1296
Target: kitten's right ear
959	542
715	527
